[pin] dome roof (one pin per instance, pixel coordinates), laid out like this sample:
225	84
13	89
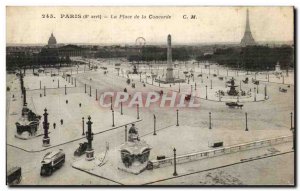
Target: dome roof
52	40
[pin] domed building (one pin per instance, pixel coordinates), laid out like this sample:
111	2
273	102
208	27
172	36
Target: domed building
52	41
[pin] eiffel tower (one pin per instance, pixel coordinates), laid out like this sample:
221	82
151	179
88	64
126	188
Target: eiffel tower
248	39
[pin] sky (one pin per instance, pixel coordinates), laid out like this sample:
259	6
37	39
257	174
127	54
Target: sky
25	25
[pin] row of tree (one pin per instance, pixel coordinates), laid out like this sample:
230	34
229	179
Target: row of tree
252	57
46	58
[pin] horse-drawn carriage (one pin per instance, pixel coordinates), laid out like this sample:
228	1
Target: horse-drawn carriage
256	82
246	80
234	104
283	90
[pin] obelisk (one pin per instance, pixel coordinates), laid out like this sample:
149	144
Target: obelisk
169	75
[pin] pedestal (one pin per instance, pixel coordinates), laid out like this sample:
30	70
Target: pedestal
89	155
46	142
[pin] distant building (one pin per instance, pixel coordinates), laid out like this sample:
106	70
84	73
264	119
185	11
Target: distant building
52	41
72	51
248	39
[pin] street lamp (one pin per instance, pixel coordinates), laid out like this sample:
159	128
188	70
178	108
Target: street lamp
206	92
175	171
82	125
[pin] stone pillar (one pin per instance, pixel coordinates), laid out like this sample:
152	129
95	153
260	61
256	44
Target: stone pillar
46	138
89	136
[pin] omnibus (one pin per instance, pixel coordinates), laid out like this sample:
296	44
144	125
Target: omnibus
52	161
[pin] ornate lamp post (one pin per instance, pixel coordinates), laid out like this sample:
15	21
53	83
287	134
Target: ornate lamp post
177	124
111	108
291	120
175	171
246	122
209	120
24	97
83	126
254	94
113	118
293	131
154	118
90	91
89	136
138	111
46	138
121	108
205	91
125	133
265	91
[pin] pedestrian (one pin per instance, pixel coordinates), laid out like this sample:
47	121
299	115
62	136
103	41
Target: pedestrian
61	121
54	125
67	101
79	104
